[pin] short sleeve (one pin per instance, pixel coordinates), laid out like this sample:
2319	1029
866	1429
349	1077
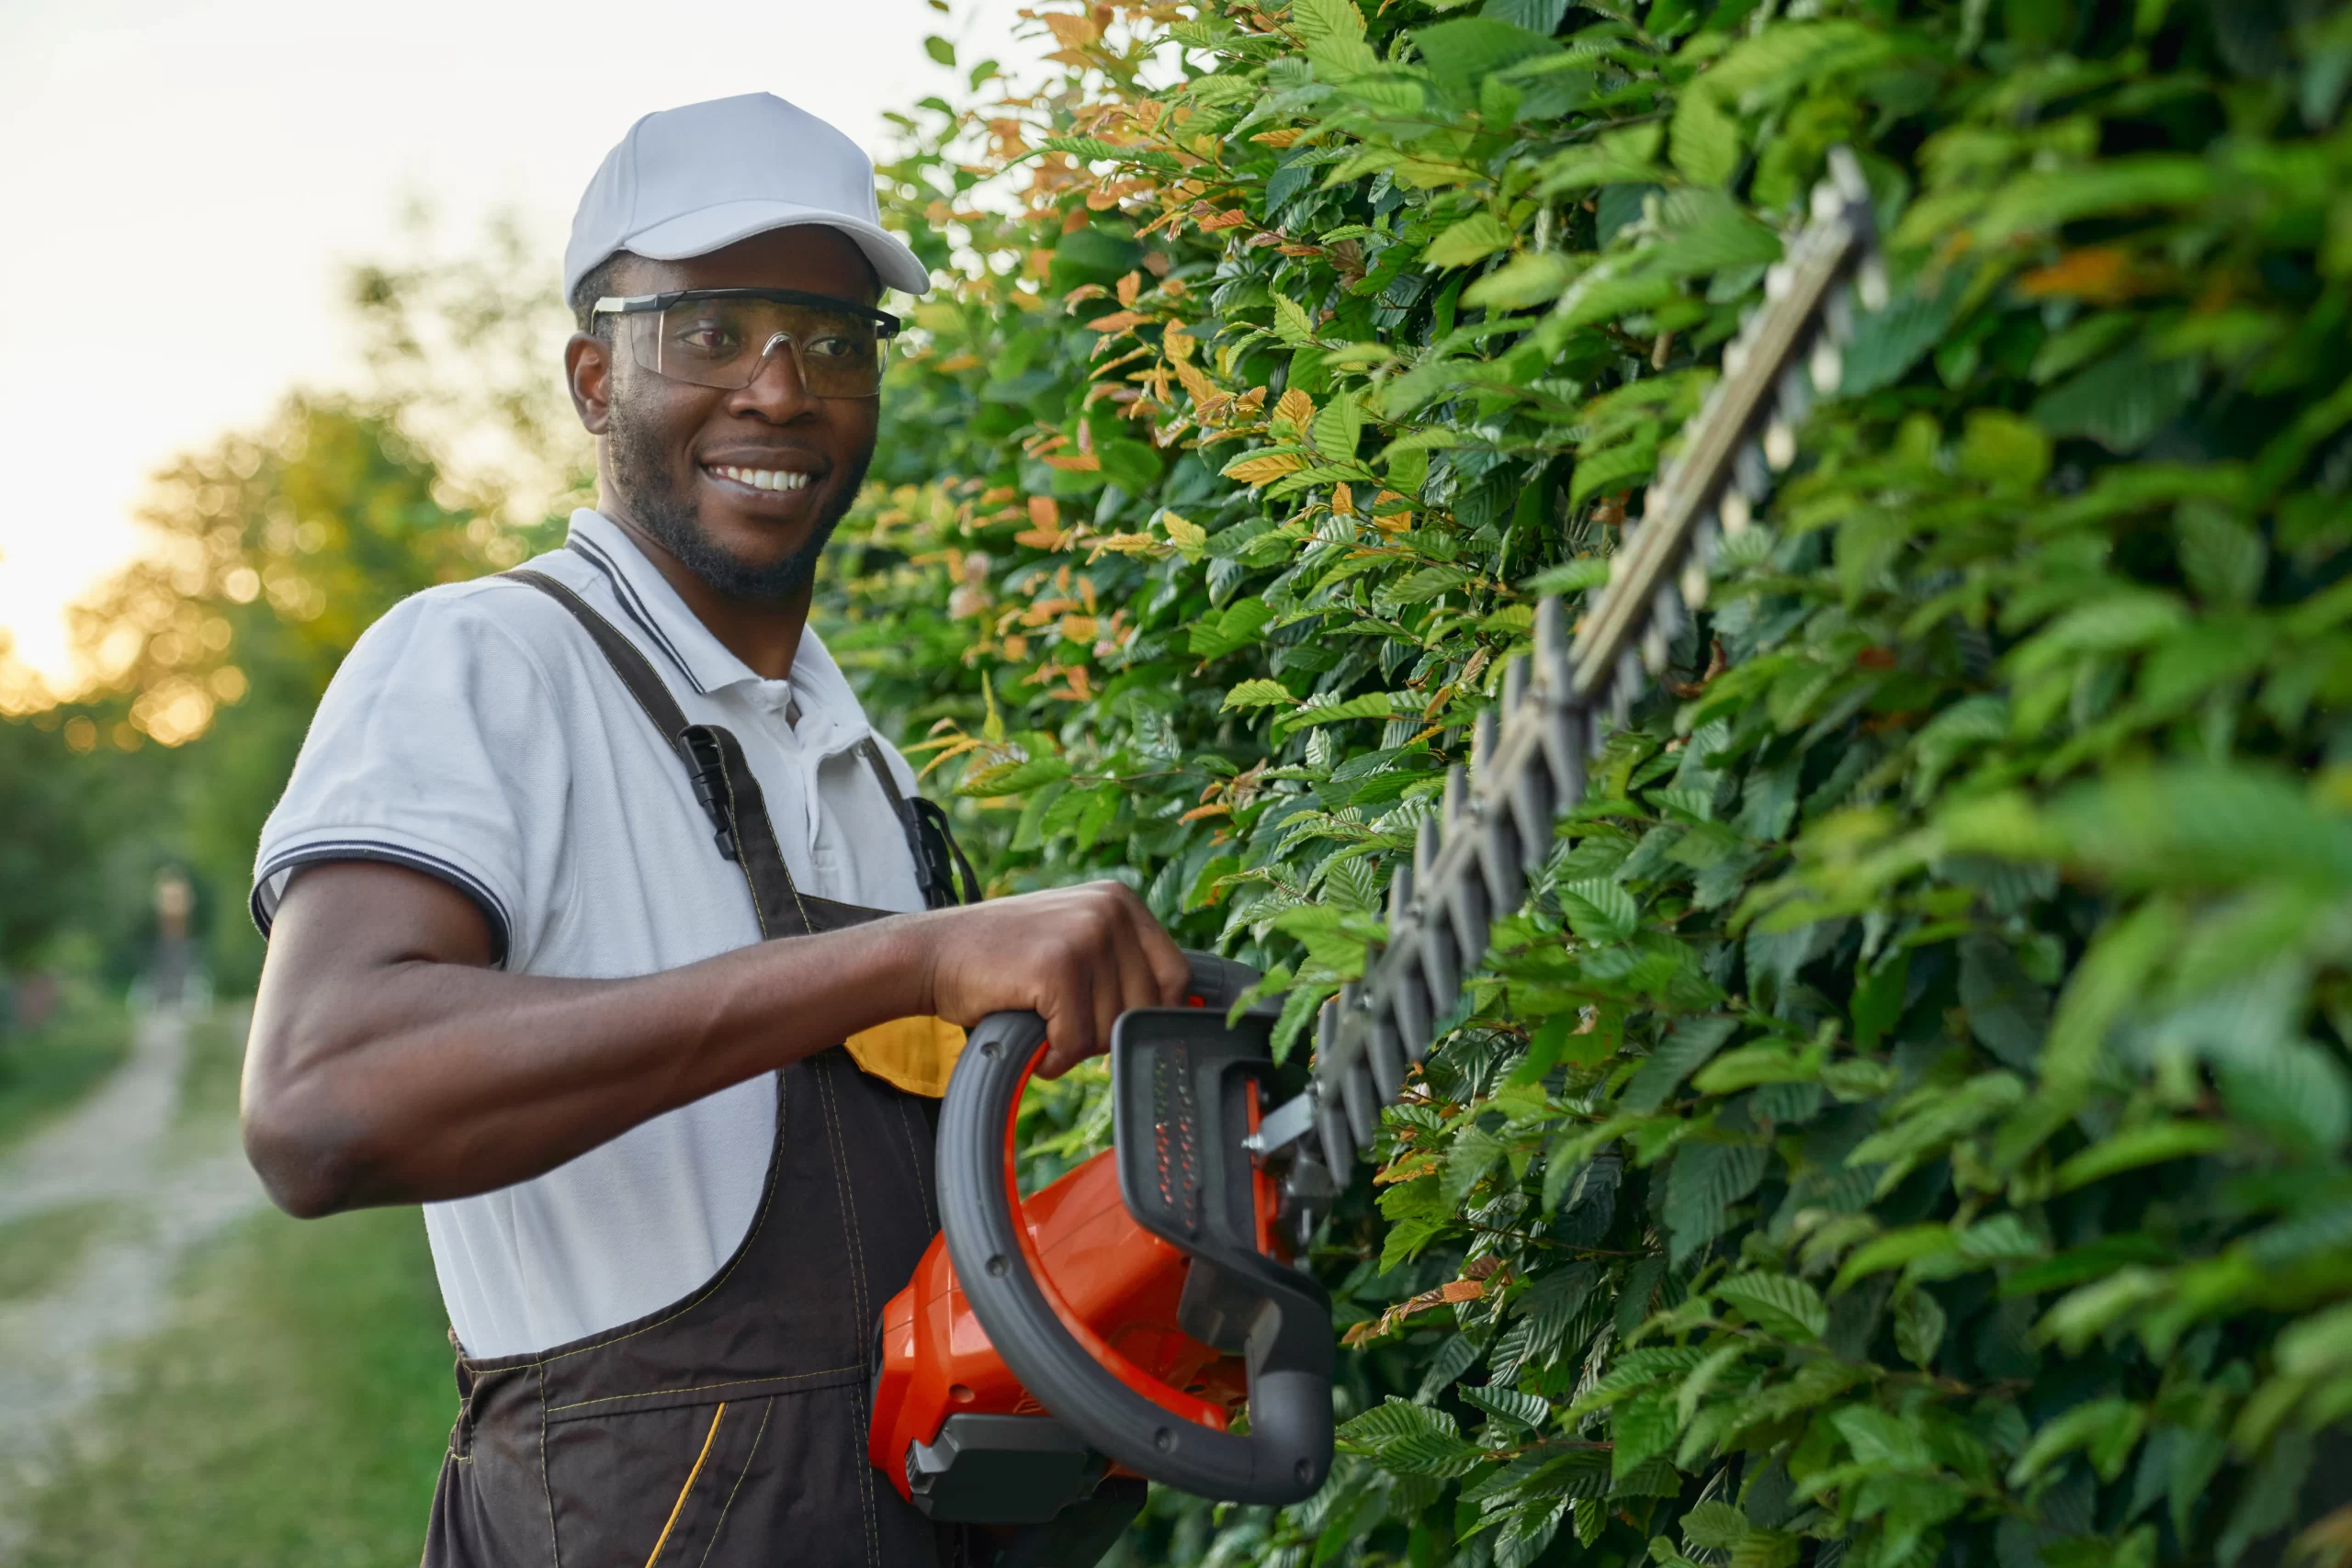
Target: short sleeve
438	747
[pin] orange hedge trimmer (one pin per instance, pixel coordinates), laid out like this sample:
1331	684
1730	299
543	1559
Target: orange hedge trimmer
1052	1352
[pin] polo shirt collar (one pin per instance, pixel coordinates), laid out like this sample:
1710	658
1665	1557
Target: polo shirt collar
832	720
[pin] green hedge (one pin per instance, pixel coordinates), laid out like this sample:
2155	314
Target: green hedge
1907	1123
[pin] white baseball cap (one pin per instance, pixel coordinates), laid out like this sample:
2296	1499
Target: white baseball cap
688	181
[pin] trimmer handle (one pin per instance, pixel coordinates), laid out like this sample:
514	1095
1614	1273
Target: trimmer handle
1182	1087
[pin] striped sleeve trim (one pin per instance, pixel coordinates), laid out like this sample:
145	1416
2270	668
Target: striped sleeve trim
494	908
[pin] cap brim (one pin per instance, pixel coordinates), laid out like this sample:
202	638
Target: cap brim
716	228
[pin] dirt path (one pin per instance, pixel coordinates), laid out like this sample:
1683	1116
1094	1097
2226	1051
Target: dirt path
168	1185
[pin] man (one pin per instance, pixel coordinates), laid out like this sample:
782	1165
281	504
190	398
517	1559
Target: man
516	891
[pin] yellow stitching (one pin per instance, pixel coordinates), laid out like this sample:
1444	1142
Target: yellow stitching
740	1476
706	1387
914	1154
743	860
680	1506
791	886
554	1549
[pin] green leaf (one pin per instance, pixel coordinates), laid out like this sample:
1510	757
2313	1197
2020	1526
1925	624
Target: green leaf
940	49
1777	1303
1694	1040
1338	426
1462	54
1598	910
1428	1454
2106	1429
1704	140
1012	778
1292	324
2138	1147
1230	630
1918	1327
1394	1418
1713	1527
1473	239
1532	278
2004	452
1569	576
1188	536
1371	704
1884	1440
1529	1410
2119	402
1258	693
1704	1182
1332	31
2117	185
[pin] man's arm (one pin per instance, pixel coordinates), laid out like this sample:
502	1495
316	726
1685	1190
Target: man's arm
389	1063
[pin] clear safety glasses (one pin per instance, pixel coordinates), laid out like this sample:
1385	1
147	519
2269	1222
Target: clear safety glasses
721	337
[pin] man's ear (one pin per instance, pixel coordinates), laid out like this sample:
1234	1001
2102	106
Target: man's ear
588	367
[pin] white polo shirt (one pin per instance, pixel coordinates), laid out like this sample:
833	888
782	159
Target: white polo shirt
475	733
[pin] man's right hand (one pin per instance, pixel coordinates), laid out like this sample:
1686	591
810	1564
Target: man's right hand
1080	956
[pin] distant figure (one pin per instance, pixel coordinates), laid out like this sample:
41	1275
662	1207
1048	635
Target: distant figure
175	901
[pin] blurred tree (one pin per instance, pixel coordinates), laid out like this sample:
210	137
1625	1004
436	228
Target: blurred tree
273	552
464	345
273	548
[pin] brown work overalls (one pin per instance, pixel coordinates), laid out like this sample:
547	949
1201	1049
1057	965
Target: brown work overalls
728	1429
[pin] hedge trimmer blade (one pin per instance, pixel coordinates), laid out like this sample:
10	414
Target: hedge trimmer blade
1494	830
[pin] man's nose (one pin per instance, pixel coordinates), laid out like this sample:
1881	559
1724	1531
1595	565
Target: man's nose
777	391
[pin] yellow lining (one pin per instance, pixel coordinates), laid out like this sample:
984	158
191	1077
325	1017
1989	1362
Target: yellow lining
914	1054
679	1506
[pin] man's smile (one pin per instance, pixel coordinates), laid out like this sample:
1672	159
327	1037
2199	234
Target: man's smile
760	479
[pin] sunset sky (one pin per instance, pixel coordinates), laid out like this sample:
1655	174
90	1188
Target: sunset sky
187	179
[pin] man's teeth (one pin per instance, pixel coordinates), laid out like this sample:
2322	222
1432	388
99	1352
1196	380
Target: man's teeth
762	479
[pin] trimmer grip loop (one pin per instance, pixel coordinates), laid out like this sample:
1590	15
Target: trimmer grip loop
1116	1409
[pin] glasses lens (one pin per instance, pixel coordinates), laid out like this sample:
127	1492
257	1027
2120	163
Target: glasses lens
723	342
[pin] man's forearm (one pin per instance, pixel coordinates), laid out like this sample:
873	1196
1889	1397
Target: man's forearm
389	1063
415	1080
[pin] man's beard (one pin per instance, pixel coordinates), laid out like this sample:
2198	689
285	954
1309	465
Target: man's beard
645	487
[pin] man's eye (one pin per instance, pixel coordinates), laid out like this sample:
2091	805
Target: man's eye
705	337
834	347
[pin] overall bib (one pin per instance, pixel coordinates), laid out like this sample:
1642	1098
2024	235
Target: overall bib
728	1427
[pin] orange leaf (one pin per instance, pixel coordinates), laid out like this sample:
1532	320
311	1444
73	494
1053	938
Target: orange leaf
1117	321
1296	407
1129	287
1078	463
2096	272
1198	812
1045	513
1200	387
1462	1290
1216	221
1255	471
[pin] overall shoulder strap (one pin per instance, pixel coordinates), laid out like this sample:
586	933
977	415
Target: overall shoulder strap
715	764
938	857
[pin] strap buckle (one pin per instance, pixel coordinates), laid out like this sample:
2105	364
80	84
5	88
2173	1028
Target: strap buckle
706	768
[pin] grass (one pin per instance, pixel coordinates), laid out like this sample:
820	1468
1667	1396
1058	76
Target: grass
44	1070
37	1251
292	1416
